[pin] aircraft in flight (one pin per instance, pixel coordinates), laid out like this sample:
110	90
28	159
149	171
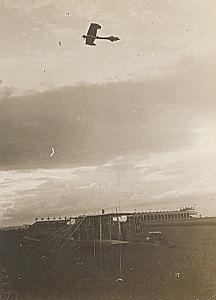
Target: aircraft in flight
91	35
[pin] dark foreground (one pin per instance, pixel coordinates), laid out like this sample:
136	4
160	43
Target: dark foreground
183	269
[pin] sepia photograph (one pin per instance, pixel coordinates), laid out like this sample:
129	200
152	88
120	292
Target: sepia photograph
107	150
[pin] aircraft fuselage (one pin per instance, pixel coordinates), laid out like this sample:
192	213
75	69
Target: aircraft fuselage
110	38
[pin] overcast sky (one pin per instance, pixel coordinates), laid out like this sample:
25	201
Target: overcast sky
139	113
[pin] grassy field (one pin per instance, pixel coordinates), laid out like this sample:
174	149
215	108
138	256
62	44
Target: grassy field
184	269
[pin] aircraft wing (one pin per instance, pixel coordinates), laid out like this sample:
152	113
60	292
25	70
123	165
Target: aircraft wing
31	239
117	242
110	242
93	29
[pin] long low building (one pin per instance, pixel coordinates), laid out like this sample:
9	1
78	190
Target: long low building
182	214
48	225
137	221
113	225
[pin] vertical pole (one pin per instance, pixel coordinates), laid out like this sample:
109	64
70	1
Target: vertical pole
120	260
119	229
0	288
120	247
110	228
118	193
94	245
100	228
94	251
93	200
100	186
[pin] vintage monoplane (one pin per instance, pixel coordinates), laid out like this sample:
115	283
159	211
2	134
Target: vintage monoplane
91	35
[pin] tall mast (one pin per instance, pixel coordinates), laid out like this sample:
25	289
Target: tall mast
118	193
110	228
94	245
100	186
120	246
100	238
120	260
100	222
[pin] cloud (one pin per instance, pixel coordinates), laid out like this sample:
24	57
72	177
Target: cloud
5	204
5	91
146	113
89	186
96	123
158	135
145	182
10	213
